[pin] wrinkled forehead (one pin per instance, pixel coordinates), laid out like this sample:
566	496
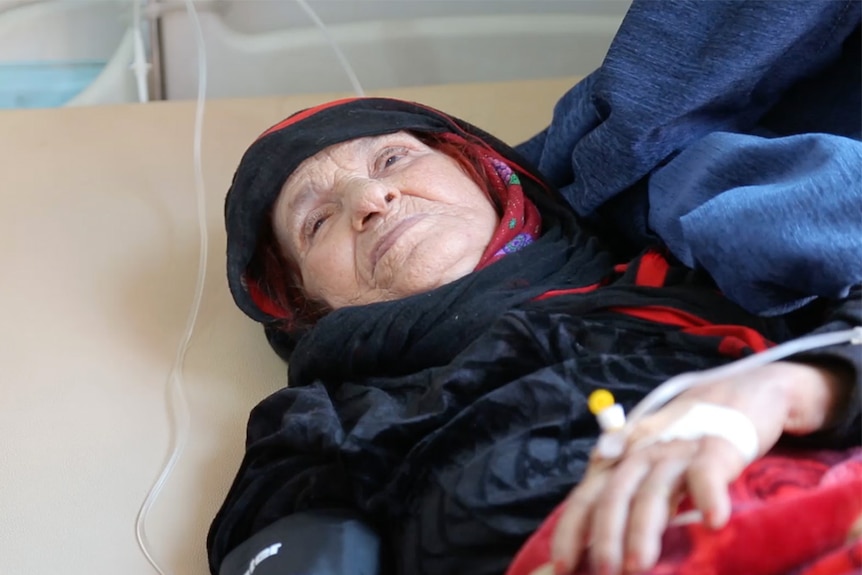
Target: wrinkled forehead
336	155
350	151
344	155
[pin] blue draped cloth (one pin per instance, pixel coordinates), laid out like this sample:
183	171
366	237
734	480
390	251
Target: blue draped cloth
729	131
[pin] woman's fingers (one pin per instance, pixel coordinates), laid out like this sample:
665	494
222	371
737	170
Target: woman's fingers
624	509
570	534
712	470
633	510
611	514
650	511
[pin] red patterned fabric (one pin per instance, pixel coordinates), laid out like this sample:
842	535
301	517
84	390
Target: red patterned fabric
520	223
793	514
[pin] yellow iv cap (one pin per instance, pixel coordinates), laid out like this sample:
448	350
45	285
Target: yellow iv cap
600	400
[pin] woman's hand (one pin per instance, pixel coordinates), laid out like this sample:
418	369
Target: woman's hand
621	508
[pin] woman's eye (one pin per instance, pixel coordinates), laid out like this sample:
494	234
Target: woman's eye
314	224
317	223
389	157
391	160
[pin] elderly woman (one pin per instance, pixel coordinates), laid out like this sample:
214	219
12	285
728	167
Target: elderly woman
446	315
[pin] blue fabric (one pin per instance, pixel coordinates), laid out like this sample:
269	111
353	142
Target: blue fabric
724	128
786	211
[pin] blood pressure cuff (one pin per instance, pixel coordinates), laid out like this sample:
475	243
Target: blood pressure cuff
313	543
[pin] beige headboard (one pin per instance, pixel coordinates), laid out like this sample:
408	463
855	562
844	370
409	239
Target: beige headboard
99	248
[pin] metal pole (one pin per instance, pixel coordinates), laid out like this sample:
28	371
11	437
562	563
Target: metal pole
157	72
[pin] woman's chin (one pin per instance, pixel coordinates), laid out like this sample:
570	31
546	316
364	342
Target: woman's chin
434	278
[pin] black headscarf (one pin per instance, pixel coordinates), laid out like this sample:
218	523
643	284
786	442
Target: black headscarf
464	307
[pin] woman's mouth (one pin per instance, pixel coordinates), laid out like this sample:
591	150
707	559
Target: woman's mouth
388	239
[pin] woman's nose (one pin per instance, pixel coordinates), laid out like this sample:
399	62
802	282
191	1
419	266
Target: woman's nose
367	198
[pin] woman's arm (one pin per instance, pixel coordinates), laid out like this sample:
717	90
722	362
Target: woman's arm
623	505
842	364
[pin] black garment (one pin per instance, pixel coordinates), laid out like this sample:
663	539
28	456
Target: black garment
457	463
452	422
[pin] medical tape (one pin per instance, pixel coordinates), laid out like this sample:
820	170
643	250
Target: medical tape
711	420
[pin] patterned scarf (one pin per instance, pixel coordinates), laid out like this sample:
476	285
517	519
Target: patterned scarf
521	222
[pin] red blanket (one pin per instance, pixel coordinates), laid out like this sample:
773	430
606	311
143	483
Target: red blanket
793	514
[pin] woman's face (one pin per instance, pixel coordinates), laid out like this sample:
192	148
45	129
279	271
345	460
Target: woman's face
380	218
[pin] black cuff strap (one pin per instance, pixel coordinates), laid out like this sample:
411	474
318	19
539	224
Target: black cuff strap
313	543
